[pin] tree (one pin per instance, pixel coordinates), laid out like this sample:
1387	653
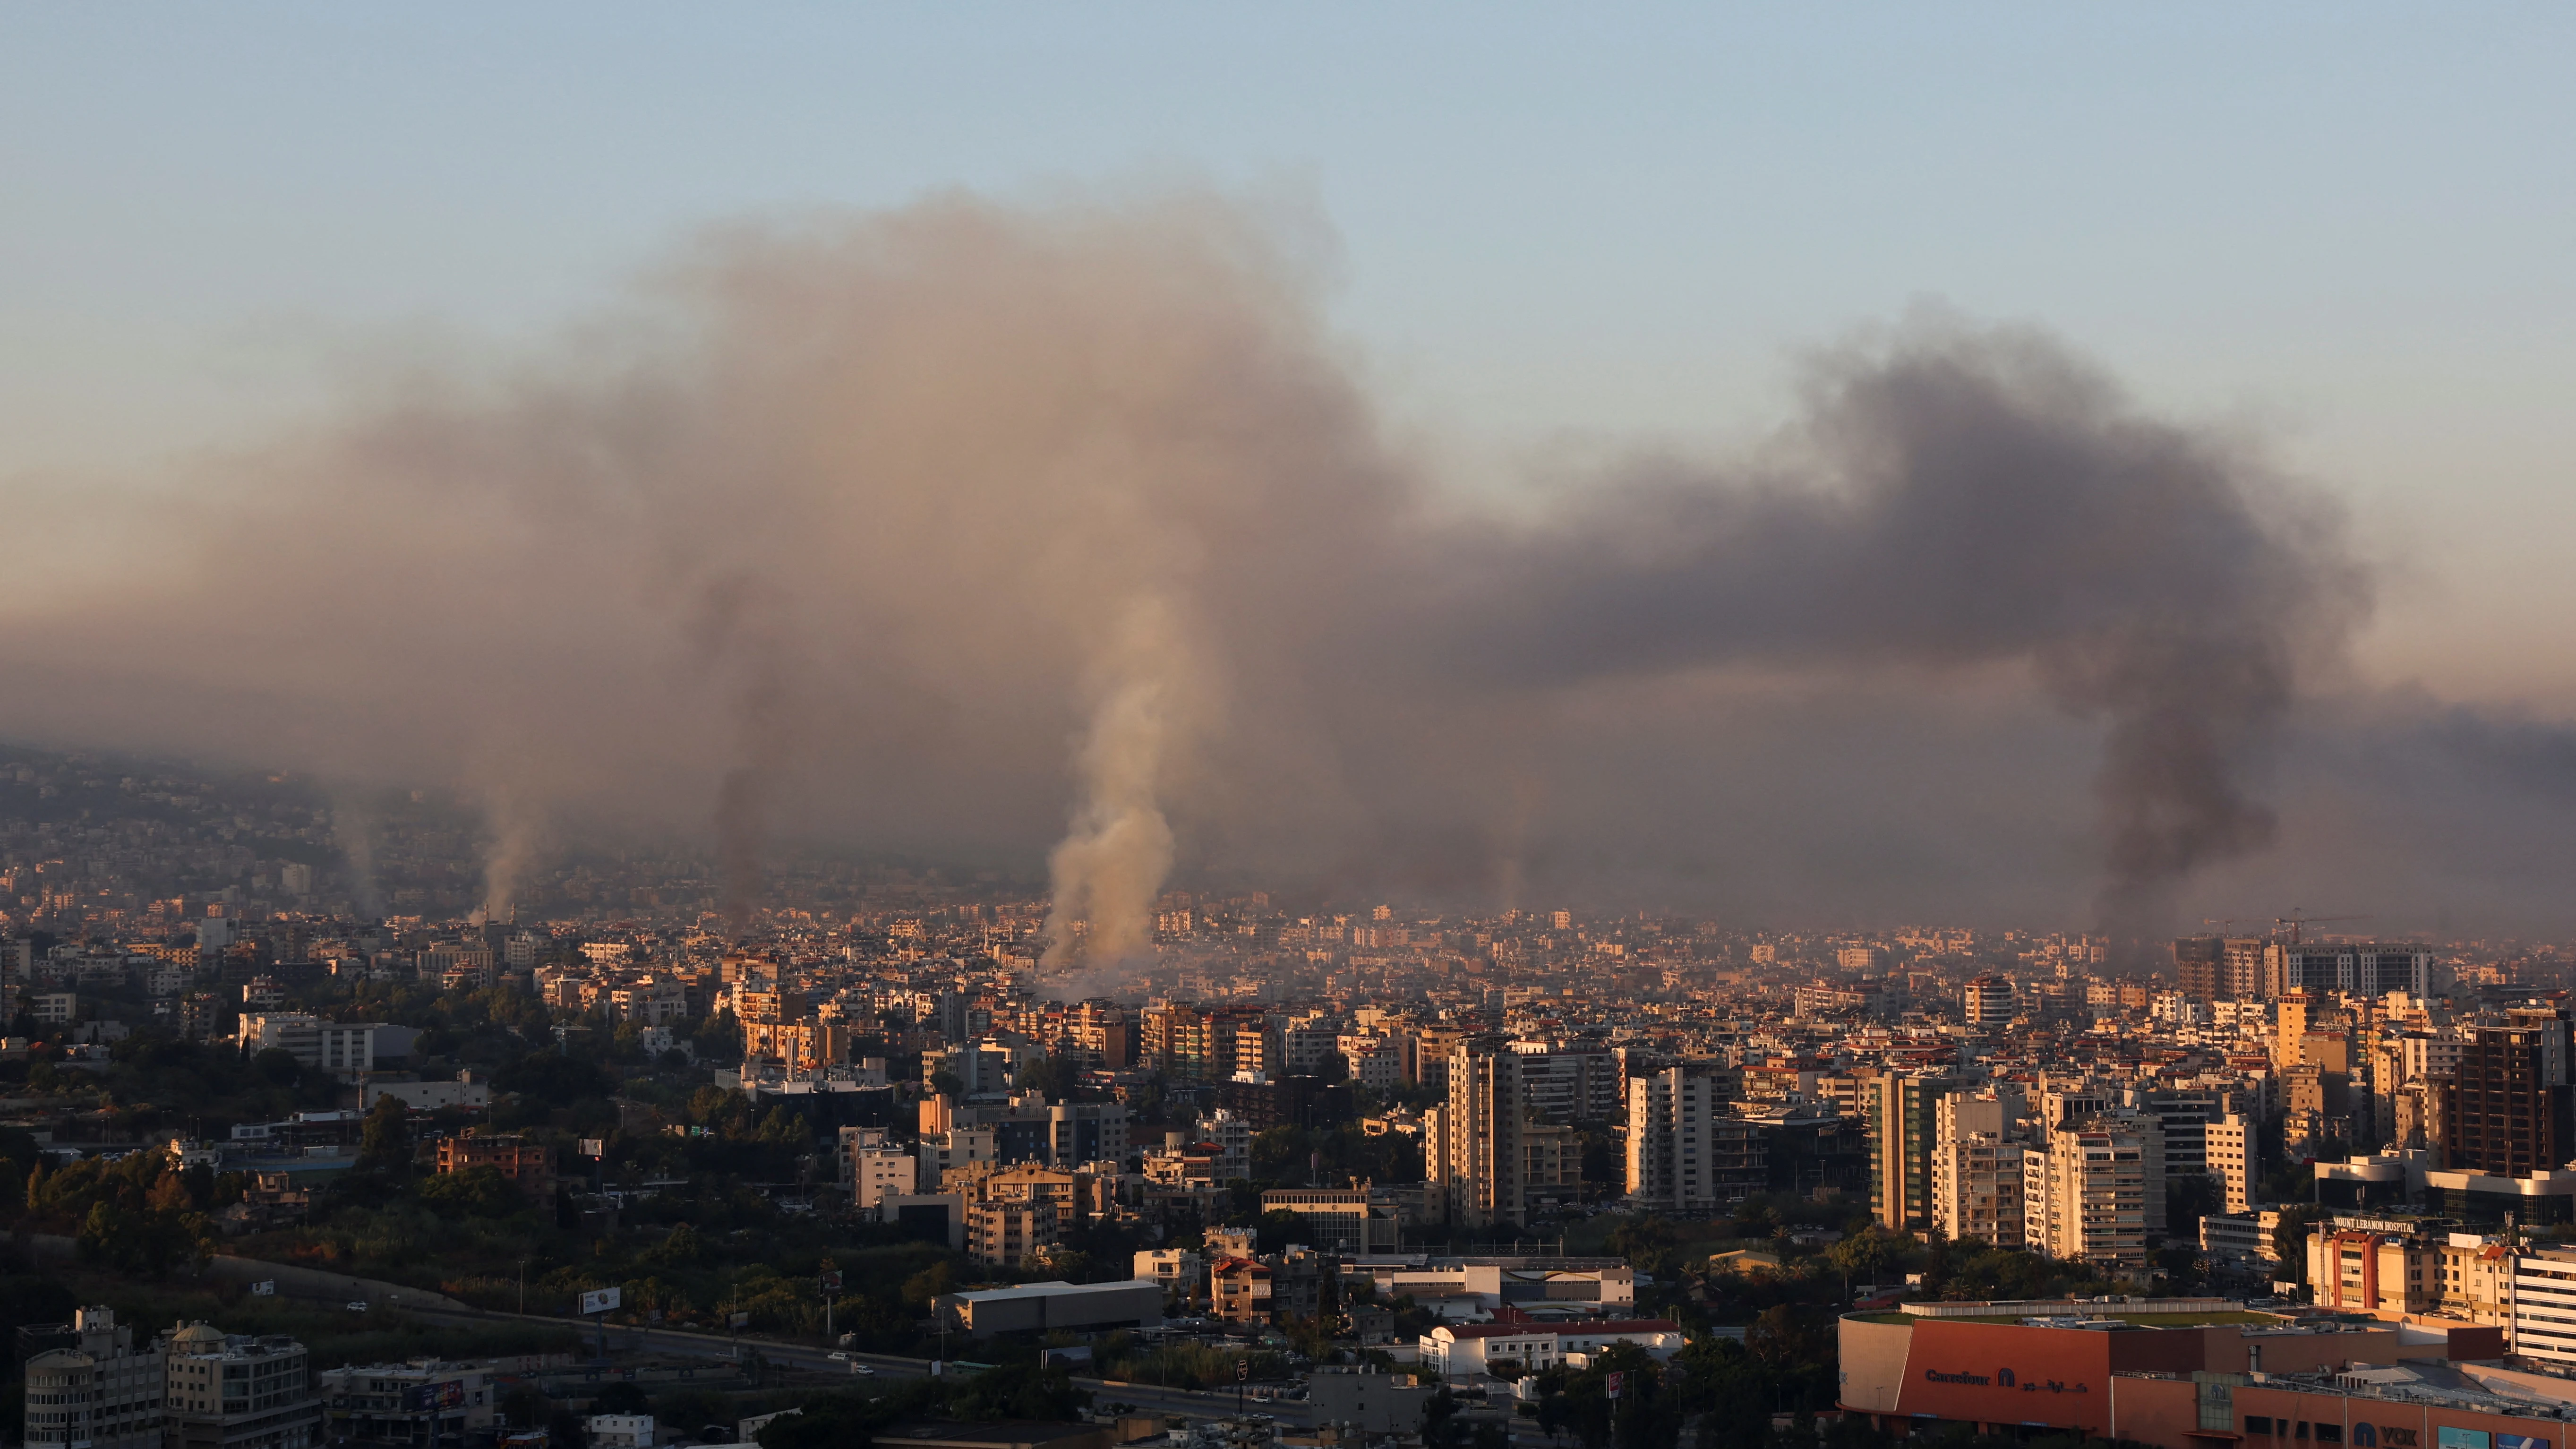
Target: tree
1646	1241
720	1039
525	1407
2189	1197
1053	1077
678	1250
384	1144
620	1397
1861	1255
553	1079
929	1283
480	1192
1786	1337
2290	1240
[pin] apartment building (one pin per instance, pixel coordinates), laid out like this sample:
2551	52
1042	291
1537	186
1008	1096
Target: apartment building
528	1164
1900	1112
1977	1186
345	1047
1491	1159
233	1391
1685	1150
418	1404
2095	1190
101	1393
1010	1234
2234	1156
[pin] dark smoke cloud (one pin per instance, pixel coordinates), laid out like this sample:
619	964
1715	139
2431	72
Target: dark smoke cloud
1954	498
1069	535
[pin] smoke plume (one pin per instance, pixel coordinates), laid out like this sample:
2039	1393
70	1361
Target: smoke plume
1072	534
516	824
1955	498
1105	873
353	830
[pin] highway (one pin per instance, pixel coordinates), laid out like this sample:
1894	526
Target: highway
1147	1397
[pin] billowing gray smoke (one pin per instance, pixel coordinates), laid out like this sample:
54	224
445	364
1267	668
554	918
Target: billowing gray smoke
979	531
1954	499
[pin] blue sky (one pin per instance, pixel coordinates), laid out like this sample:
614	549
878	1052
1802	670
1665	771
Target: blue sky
2351	226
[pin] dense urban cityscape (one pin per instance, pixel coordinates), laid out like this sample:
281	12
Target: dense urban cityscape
1388	1169
1180	726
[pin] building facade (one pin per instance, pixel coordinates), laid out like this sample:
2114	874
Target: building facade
233	1391
2505	1106
1683	1145
101	1393
2096	1191
1901	1113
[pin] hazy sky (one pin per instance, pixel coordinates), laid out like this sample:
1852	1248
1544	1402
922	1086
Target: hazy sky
376	267
2349	226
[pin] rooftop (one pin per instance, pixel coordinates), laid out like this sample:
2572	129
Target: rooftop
1052	1288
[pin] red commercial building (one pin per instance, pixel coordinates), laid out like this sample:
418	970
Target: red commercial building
2197	1380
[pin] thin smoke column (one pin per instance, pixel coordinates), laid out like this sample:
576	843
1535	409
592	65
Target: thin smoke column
353	829
515	826
1105	873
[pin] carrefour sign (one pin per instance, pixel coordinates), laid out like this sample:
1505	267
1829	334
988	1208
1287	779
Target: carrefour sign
2004	1378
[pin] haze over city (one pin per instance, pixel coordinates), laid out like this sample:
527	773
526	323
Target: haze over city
970	495
1193	727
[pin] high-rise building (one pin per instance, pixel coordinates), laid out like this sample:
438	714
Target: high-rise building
1899	1110
1976	1166
2095	1190
2505	1106
1976	1188
1569	1084
233	1391
1685	1150
1189	1043
2200	964
2241	968
100	1393
2234	1157
1485	1149
2186	1114
2361	970
1989	1001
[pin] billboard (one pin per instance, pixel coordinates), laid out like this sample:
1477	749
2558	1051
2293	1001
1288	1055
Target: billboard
421	1397
2464	1439
600	1300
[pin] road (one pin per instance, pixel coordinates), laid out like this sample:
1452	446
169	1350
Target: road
1148	1397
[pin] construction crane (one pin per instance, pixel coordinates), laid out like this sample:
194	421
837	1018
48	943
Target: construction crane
2295	921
